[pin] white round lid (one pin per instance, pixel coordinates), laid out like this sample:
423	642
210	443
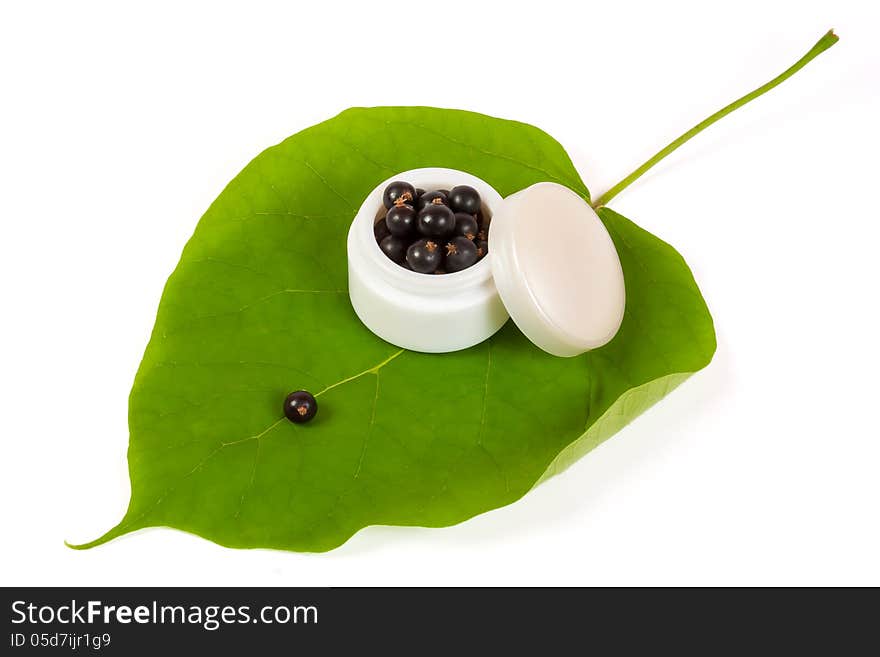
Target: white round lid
556	269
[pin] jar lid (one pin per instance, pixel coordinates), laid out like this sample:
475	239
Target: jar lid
556	269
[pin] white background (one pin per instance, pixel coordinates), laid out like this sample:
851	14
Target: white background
119	126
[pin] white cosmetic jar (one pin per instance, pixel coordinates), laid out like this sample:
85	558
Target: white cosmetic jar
552	266
432	313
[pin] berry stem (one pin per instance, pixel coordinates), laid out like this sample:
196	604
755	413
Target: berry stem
823	44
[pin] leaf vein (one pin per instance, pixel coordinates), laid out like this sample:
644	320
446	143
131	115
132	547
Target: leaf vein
554	177
328	185
373	370
369	429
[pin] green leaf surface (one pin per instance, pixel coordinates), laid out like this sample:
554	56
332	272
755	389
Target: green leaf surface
258	307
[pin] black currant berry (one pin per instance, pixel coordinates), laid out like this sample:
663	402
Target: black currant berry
466	225
428	197
300	406
398	190
394	247
401	220
463	198
424	256
419	192
482	248
445	192
461	253
436	220
380	230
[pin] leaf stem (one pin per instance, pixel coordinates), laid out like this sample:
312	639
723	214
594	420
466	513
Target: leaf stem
823	44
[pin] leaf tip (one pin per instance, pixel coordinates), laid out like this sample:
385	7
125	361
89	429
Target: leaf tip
115	532
89	545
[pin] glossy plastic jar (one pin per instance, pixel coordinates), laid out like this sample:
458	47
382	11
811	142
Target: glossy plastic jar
422	312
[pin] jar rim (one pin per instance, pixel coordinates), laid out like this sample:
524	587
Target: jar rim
403	278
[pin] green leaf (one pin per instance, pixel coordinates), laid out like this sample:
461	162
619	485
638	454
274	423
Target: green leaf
258	306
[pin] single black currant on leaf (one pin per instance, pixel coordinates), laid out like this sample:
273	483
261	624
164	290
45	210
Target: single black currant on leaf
464	198
398	190
424	256
430	197
436	220
466	225
394	247
380	230
401	220
300	406
461	253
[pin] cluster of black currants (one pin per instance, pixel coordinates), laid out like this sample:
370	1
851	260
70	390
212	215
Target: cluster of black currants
437	232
